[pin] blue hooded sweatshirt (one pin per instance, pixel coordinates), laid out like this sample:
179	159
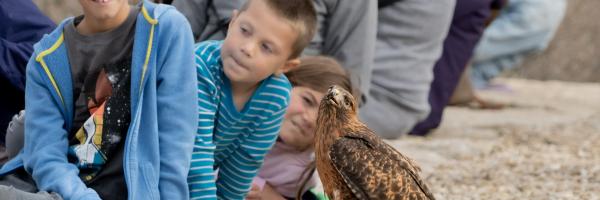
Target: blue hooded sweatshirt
160	137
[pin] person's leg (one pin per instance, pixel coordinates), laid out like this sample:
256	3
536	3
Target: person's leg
14	138
12	193
389	119
524	27
438	99
483	72
409	42
464	93
15	135
3	155
20	186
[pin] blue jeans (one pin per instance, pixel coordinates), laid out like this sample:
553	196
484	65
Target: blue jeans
522	28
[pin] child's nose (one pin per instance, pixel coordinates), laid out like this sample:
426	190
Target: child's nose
248	49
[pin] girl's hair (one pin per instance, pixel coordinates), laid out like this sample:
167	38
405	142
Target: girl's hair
318	73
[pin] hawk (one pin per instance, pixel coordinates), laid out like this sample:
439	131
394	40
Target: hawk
354	163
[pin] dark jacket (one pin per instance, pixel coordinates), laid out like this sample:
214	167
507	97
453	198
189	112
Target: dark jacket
466	29
21	25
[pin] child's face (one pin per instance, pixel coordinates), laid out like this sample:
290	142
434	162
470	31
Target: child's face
102	10
258	44
298	126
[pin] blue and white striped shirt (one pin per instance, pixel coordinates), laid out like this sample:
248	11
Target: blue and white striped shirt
233	142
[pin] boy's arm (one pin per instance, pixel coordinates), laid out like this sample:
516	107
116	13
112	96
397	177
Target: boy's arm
201	178
46	144
237	171
176	104
351	35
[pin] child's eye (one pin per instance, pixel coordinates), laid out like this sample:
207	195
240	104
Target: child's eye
266	48
244	30
308	101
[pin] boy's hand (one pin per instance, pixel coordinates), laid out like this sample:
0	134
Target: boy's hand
255	193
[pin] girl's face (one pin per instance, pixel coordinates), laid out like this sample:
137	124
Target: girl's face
298	127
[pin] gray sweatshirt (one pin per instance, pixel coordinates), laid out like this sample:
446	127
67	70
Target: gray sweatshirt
410	36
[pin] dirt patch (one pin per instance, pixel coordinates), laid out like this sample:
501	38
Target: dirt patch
546	145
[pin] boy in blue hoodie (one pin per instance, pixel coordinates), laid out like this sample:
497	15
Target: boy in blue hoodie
108	98
243	93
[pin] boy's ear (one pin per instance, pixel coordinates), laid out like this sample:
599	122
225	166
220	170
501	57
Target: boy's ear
288	65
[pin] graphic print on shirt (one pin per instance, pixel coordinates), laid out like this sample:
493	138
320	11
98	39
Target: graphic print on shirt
108	104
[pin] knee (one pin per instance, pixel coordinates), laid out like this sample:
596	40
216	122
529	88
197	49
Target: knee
15	135
391	126
8	192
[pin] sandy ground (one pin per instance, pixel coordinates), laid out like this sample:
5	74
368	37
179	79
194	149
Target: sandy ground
545	145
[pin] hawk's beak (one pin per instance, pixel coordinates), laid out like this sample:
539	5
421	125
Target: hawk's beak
329	99
334	96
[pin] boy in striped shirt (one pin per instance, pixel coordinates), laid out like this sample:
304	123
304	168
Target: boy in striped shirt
243	93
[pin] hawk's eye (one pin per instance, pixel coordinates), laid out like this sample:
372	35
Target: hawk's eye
346	101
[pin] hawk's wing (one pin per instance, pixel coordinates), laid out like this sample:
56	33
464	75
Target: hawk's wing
372	171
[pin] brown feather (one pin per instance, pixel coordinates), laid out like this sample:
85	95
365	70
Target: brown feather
354	163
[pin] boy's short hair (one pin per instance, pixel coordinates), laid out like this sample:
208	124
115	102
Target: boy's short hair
301	14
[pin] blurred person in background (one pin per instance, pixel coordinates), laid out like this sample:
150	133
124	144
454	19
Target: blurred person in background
522	28
21	25
468	23
410	36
